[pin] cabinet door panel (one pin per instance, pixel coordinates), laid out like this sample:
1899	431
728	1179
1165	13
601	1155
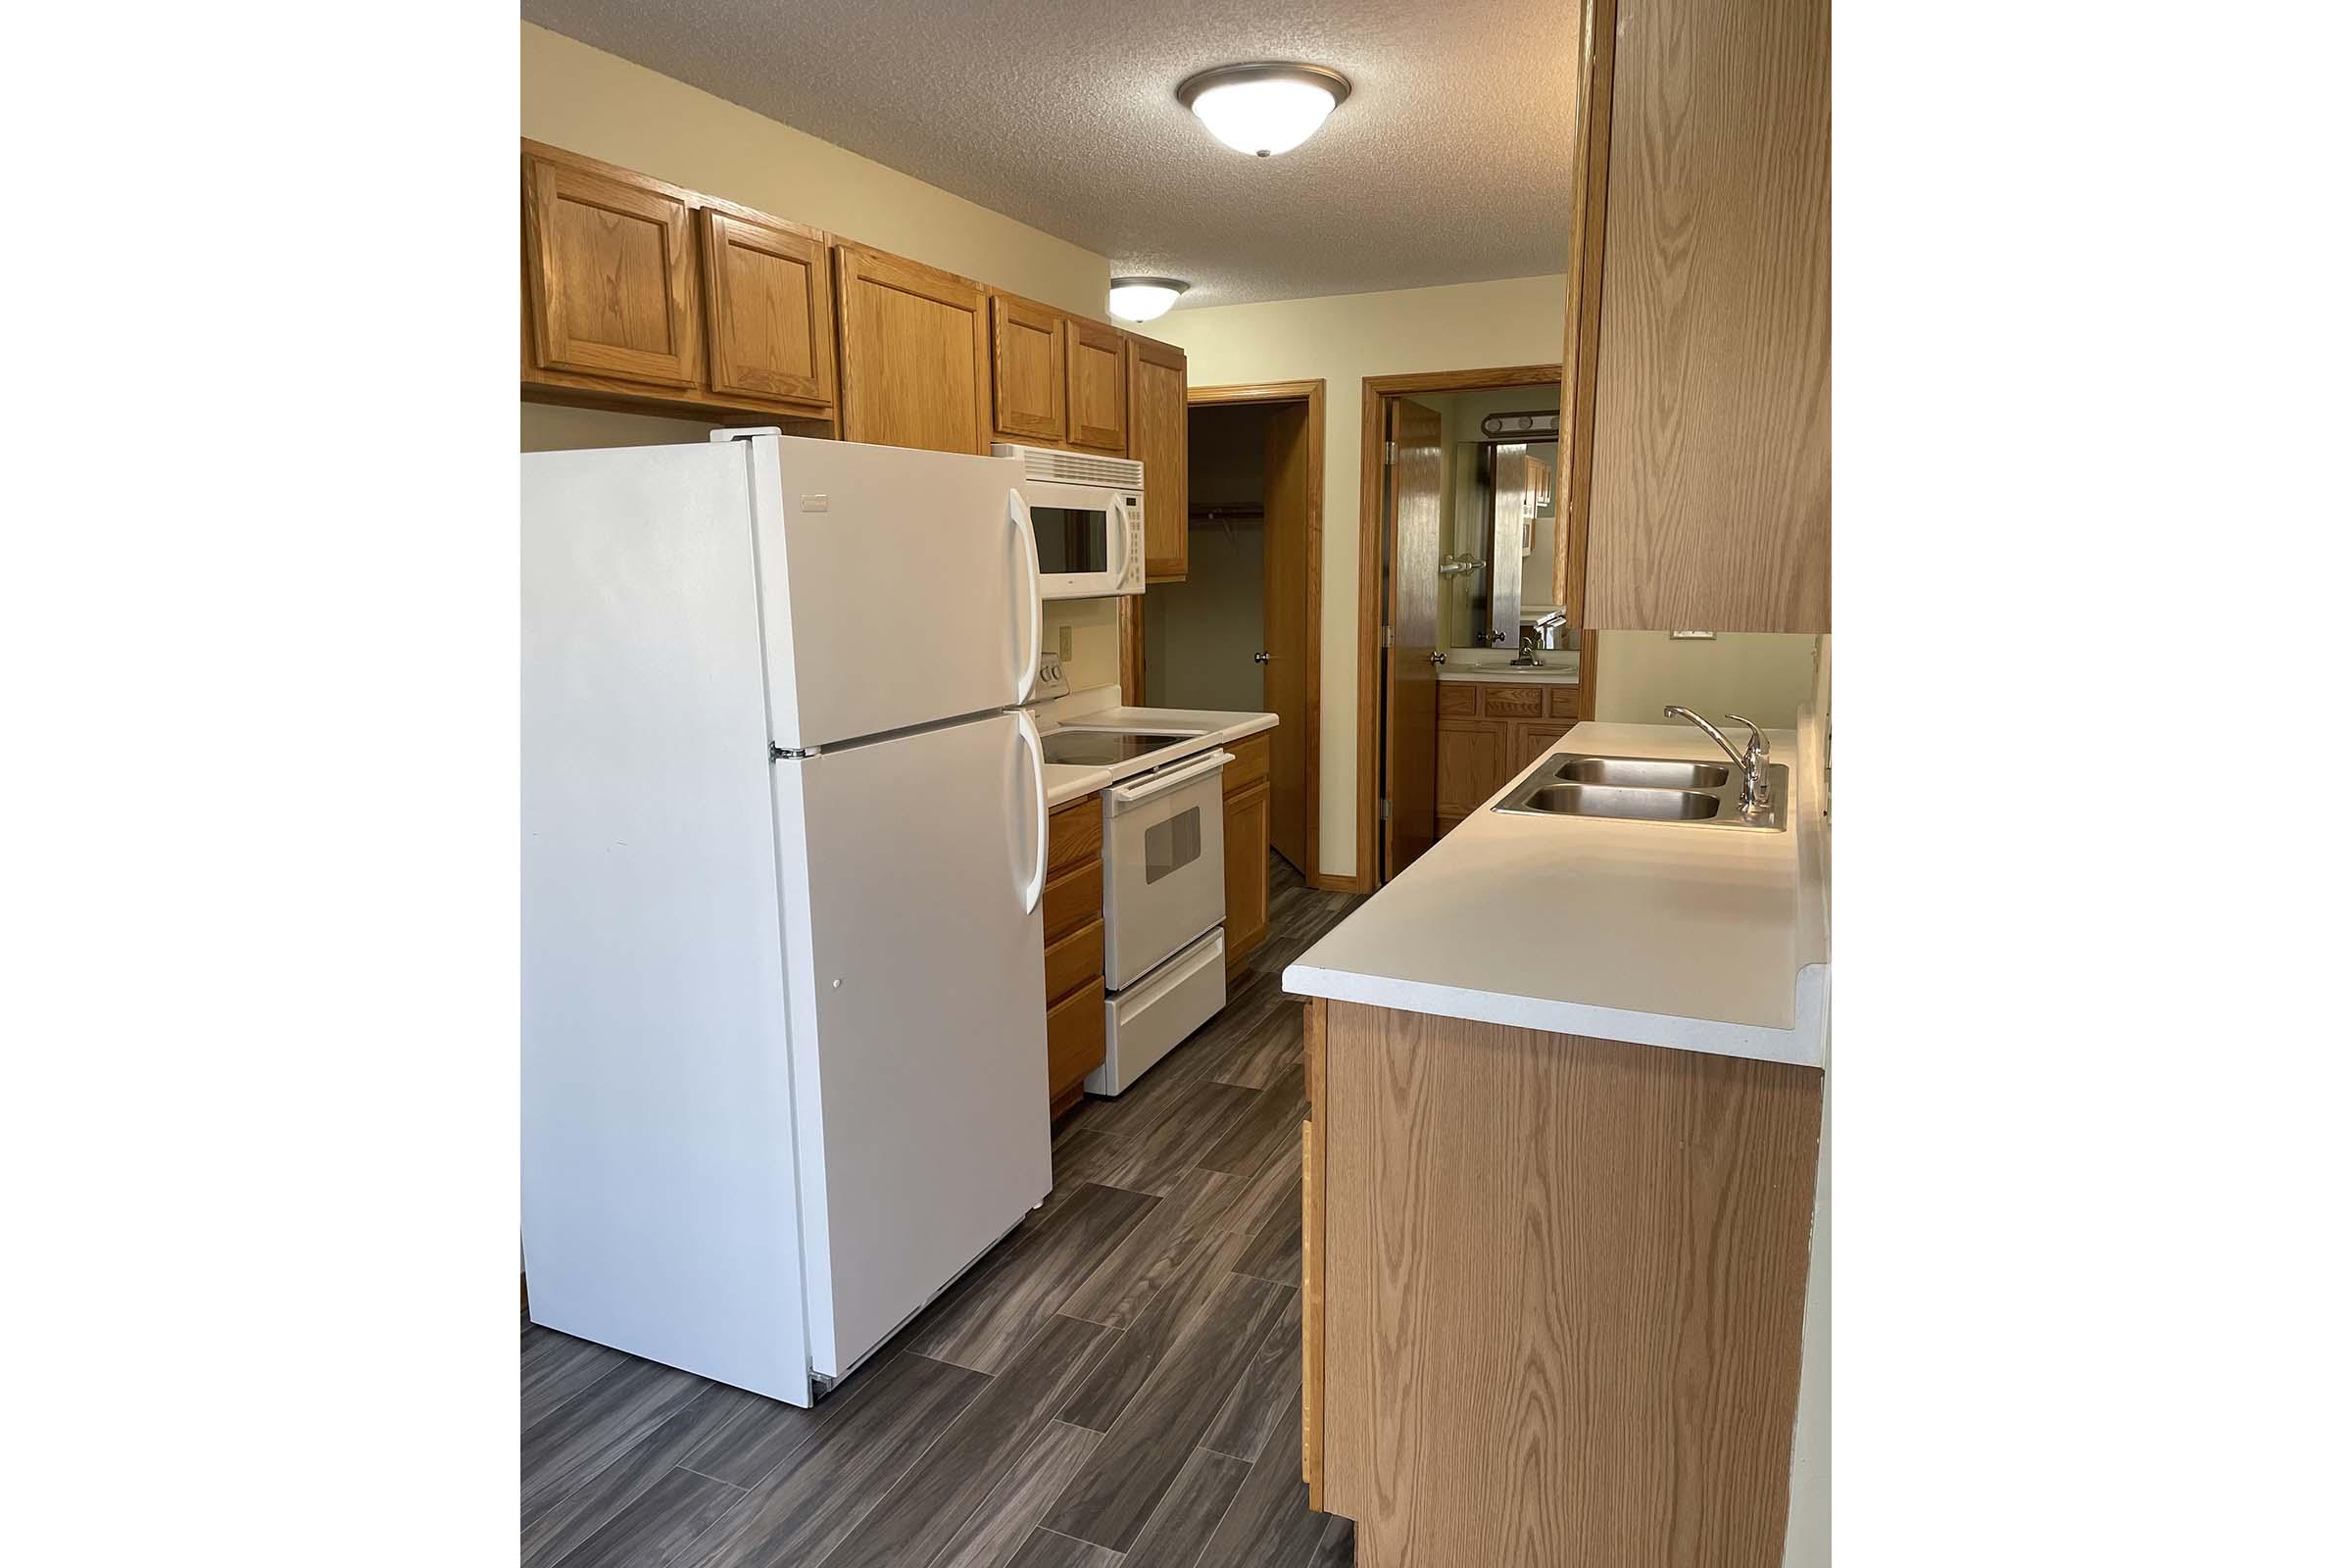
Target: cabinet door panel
610	265
1529	741
1470	758
1074	1037
1031	372
1156	381
914	354
1097	387
770	297
1249	816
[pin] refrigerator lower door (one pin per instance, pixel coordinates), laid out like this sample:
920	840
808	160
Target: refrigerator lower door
862	544
914	965
660	1211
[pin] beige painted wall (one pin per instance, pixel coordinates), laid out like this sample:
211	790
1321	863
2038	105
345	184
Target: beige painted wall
587	101
1766	675
1344	338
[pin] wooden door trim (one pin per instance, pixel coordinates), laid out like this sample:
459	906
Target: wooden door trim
1371	549
1312	394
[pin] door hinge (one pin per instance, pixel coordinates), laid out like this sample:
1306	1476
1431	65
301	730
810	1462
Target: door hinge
1388	636
1387	452
792	754
1385	811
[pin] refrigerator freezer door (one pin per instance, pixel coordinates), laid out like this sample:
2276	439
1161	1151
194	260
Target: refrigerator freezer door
916	978
659	1207
897	587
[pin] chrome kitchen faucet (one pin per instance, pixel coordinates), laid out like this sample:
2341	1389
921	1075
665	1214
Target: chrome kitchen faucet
1755	793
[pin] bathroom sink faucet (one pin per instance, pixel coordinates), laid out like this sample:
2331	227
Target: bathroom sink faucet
1755	790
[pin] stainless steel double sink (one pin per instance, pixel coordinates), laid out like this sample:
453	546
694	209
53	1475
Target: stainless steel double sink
1646	789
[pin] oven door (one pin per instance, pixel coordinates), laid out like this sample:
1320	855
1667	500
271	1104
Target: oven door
1084	540
1163	864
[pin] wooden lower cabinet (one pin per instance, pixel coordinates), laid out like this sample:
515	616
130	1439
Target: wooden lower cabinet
1249	830
1073	978
1585	1255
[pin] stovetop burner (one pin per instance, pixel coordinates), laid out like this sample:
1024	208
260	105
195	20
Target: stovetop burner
1097	748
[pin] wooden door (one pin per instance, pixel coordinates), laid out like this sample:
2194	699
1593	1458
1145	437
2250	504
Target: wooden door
1710	448
1411	719
1156	382
1245	921
1098	382
609	264
914	354
1031	373
770	292
1285	612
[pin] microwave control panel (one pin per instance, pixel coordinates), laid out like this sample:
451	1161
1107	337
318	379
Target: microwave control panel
1131	579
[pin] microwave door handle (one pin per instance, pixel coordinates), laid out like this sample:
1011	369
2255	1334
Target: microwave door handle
1160	784
1035	888
1033	614
1119	539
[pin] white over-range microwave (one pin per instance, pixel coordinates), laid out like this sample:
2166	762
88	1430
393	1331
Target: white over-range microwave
1088	515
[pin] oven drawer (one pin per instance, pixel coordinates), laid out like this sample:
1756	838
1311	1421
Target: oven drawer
1146	1021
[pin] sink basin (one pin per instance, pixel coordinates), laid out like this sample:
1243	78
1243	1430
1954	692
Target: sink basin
1648	789
1643	773
1638	805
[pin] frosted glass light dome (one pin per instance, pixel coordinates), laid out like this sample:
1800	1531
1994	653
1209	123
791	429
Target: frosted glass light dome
1264	108
1144	299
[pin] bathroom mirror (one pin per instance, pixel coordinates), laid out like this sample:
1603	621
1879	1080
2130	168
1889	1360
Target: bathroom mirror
1498	560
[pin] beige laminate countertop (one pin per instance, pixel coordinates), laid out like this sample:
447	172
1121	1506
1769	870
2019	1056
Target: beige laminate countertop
1658	933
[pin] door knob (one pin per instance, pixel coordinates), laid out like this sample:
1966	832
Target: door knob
1436	659
1260	657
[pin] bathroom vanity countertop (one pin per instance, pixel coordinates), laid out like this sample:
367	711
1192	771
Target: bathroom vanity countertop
1657	933
1550	675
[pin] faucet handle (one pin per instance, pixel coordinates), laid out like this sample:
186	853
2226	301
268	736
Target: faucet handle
1758	747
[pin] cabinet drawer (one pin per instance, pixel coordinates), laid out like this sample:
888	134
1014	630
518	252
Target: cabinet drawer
1560	701
1252	760
1074	1037
1075	835
1511	702
1074	961
1072	899
1457	700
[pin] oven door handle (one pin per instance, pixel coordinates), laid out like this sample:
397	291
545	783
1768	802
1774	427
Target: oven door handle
1160	783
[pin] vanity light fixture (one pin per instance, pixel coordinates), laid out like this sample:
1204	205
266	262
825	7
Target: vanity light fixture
1265	107
1144	299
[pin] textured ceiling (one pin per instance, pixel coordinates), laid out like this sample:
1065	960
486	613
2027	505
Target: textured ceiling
1449	164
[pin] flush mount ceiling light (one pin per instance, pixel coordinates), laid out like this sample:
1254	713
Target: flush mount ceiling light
1142	299
1263	107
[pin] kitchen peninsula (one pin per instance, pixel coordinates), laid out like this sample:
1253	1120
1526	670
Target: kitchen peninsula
1565	1077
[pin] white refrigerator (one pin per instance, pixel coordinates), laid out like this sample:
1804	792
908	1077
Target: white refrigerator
783	1049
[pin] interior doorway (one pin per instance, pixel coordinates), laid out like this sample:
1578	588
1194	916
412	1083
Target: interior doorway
1473	557
1243	628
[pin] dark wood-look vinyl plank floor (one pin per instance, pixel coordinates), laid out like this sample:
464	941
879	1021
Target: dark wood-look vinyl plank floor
1114	1386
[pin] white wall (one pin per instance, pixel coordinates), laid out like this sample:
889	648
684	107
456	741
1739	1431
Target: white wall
1766	675
1343	338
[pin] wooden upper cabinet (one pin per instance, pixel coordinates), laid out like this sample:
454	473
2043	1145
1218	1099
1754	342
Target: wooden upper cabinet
1710	409
609	262
1032	375
1097	377
769	295
1160	418
915	360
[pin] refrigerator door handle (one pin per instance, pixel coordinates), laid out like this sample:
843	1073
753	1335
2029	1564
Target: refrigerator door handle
1035	888
1033	611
